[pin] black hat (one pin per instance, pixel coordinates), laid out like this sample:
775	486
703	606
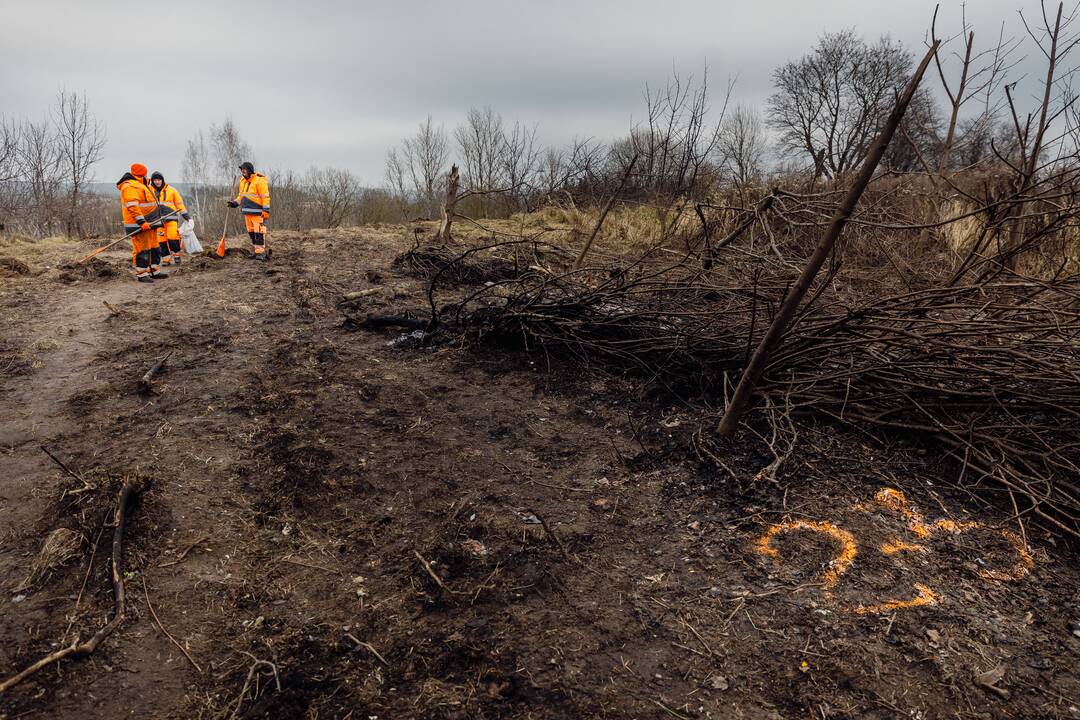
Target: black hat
157	176
247	166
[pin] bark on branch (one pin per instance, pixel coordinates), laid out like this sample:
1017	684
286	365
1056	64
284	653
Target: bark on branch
453	184
750	376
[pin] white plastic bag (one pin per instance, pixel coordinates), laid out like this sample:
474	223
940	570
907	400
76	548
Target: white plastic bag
192	246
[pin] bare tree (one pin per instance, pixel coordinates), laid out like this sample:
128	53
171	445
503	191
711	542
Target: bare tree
229	151
290	199
981	75
196	170
743	144
1048	149
561	172
38	161
396	182
425	155
9	141
552	172
10	190
519	161
81	141
678	138
480	140
334	193
831	104
795	294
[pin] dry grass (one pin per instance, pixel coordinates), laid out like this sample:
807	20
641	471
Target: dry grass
1057	253
45	251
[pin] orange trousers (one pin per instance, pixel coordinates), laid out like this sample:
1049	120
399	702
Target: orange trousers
143	245
256	228
168	238
254	223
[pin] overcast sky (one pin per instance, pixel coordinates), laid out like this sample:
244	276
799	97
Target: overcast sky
339	83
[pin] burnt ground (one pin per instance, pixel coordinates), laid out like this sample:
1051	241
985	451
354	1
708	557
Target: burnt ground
363	516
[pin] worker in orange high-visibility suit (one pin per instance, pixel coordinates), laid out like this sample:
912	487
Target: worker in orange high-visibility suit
168	235
253	199
139	207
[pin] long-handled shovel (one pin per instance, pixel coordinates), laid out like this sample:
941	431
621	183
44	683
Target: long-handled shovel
103	248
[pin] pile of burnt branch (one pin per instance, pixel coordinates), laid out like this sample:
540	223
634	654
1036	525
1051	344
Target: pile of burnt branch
504	261
987	373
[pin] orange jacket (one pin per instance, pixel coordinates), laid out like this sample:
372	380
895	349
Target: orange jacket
136	201
254	195
170	198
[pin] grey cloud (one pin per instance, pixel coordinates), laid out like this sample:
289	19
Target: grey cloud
320	82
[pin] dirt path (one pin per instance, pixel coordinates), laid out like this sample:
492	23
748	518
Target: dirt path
367	517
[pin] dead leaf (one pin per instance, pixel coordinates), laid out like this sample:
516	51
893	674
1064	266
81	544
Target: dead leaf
935	638
990	679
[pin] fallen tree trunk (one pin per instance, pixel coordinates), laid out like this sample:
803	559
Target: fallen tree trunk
123	503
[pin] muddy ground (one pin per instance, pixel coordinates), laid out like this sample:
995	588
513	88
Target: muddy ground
338	523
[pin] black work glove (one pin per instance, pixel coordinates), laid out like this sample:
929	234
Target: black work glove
185	216
233	203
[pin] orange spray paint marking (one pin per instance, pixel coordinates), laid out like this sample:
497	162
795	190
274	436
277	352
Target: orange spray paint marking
893	547
1023	566
925	596
839	564
951	526
893	499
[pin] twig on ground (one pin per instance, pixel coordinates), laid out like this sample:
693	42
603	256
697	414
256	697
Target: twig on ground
183	554
247	681
369	647
436	578
313	566
551	534
69	471
157	621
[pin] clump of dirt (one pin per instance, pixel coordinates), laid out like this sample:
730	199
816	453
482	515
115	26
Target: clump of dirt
94	269
13	361
12	267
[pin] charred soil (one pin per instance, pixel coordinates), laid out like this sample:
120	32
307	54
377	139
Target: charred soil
348	523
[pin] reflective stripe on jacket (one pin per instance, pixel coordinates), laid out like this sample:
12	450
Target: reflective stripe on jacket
137	202
170	198
254	195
